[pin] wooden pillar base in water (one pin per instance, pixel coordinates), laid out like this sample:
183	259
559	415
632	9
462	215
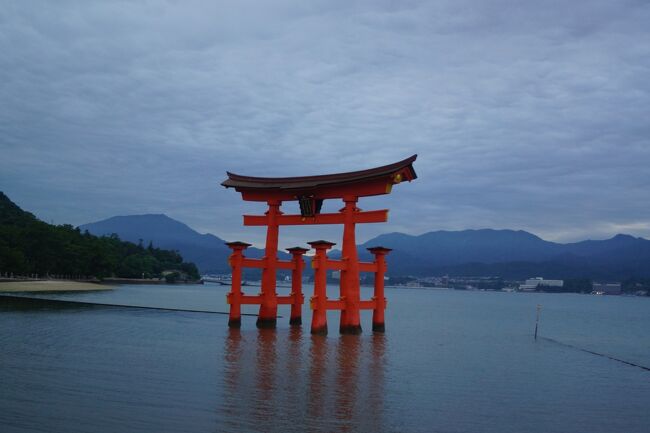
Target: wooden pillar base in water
319	330
266	323
350	329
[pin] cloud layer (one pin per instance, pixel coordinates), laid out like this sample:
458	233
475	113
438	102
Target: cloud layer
525	115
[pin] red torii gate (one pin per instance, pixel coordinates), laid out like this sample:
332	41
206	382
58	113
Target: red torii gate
310	191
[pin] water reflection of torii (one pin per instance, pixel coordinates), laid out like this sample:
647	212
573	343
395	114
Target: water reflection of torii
291	376
310	192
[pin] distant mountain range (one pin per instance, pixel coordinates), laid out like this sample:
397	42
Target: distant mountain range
514	254
208	252
506	253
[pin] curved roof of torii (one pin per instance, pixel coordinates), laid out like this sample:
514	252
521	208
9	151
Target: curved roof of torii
311	184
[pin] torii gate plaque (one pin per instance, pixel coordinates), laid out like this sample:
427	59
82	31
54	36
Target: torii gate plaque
310	191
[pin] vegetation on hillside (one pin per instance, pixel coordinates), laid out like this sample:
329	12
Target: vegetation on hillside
31	246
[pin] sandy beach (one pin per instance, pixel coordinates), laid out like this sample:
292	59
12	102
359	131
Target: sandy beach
50	286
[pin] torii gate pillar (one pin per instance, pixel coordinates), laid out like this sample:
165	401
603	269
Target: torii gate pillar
350	285
269	306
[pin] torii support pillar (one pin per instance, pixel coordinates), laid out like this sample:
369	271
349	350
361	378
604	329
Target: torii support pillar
379	298
297	297
234	298
318	302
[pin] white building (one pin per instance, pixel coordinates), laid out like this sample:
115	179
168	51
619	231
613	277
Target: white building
531	284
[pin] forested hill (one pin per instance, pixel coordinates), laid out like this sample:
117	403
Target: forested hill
206	250
514	255
31	246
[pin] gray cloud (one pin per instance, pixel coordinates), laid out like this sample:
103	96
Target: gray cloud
526	115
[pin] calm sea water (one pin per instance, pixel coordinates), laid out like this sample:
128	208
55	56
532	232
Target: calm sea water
450	361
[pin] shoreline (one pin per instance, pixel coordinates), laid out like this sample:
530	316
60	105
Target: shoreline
51	286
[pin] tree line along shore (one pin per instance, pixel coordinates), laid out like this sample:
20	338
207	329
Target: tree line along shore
31	247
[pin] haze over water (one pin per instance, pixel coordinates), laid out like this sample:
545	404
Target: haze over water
450	361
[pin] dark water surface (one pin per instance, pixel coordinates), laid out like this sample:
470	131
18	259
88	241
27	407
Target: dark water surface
449	362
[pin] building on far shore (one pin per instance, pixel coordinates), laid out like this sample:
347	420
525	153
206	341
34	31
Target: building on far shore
606	289
531	284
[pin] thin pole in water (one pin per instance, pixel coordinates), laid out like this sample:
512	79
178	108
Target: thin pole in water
539	308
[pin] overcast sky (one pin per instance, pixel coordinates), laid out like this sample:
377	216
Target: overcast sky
525	114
